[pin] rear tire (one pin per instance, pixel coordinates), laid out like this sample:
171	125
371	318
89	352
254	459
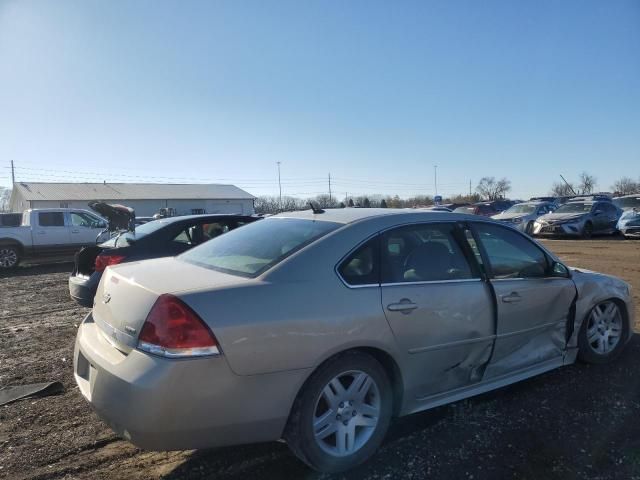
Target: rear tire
587	231
603	333
336	425
9	257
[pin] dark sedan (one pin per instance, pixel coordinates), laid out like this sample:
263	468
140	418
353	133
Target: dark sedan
161	238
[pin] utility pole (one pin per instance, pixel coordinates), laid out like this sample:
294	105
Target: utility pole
329	188
279	186
568	184
469	187
13	174
435	177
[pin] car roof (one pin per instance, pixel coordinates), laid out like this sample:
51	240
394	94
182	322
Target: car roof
350	215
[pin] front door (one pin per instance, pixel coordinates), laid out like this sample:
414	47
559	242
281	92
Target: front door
439	309
51	236
84	229
533	305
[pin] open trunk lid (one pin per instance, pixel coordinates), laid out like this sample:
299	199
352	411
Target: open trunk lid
127	292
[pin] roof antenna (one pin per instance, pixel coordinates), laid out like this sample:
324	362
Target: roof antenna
316	209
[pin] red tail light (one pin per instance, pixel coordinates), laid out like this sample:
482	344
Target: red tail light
103	261
172	329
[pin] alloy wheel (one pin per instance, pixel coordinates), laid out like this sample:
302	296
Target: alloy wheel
604	328
8	257
346	413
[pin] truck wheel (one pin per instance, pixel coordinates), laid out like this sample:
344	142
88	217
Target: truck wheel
9	257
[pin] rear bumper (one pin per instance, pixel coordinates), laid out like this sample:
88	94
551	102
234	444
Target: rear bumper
176	404
83	289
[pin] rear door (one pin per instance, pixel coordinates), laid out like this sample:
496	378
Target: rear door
533	305
440	310
50	234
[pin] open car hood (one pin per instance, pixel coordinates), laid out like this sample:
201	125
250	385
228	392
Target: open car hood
119	217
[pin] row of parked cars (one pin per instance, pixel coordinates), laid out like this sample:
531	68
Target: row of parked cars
317	327
580	216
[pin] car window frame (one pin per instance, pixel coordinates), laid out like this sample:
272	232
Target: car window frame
477	270
487	266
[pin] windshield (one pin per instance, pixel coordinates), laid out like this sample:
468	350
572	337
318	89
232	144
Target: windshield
254	248
575	207
522	208
627	202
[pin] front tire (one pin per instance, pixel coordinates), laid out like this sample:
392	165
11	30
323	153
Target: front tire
9	257
587	231
342	413
603	333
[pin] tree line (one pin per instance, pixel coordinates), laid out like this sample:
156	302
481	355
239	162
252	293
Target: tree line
487	189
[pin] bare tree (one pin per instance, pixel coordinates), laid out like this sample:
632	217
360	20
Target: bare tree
587	183
626	186
492	189
562	189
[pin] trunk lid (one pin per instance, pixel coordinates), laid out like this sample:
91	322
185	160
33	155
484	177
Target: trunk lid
127	292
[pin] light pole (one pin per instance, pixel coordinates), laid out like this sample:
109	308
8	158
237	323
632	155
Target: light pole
435	178
279	187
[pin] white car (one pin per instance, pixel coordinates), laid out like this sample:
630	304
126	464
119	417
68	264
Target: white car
523	215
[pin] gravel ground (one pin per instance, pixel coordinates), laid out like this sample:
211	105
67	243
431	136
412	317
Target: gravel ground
581	421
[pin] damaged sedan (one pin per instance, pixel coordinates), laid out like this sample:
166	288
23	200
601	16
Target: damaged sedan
318	327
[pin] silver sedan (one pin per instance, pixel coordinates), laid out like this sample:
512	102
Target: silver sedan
318	328
522	216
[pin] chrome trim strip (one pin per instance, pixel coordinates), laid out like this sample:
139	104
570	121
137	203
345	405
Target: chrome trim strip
452	344
429	282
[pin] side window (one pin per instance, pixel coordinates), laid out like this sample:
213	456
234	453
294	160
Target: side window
212	230
362	266
422	253
51	219
510	254
183	237
79	219
191	235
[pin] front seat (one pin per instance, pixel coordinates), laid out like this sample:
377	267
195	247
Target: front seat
428	262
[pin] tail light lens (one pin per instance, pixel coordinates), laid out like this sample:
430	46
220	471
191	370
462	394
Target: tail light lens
103	261
172	329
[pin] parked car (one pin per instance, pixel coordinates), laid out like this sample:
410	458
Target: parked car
523	215
501	205
159	238
579	219
453	206
437	208
10	219
629	222
484	209
49	234
318	328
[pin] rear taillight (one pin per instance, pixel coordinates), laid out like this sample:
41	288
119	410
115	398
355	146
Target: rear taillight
103	261
172	329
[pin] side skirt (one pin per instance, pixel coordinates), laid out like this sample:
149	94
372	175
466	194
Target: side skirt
432	401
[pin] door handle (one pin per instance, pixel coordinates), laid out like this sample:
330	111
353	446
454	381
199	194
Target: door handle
513	297
404	307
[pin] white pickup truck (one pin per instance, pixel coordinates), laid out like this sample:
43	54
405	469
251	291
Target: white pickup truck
49	233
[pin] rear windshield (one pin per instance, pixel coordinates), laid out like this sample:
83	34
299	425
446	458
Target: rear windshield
471	210
254	248
575	207
141	231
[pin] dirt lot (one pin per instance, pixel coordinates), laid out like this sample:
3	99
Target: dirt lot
577	422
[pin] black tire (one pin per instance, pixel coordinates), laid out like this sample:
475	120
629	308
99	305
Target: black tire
299	432
586	352
9	257
587	231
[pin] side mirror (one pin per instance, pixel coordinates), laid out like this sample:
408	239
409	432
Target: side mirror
559	270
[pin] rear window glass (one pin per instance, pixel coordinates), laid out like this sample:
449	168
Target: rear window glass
51	219
252	249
